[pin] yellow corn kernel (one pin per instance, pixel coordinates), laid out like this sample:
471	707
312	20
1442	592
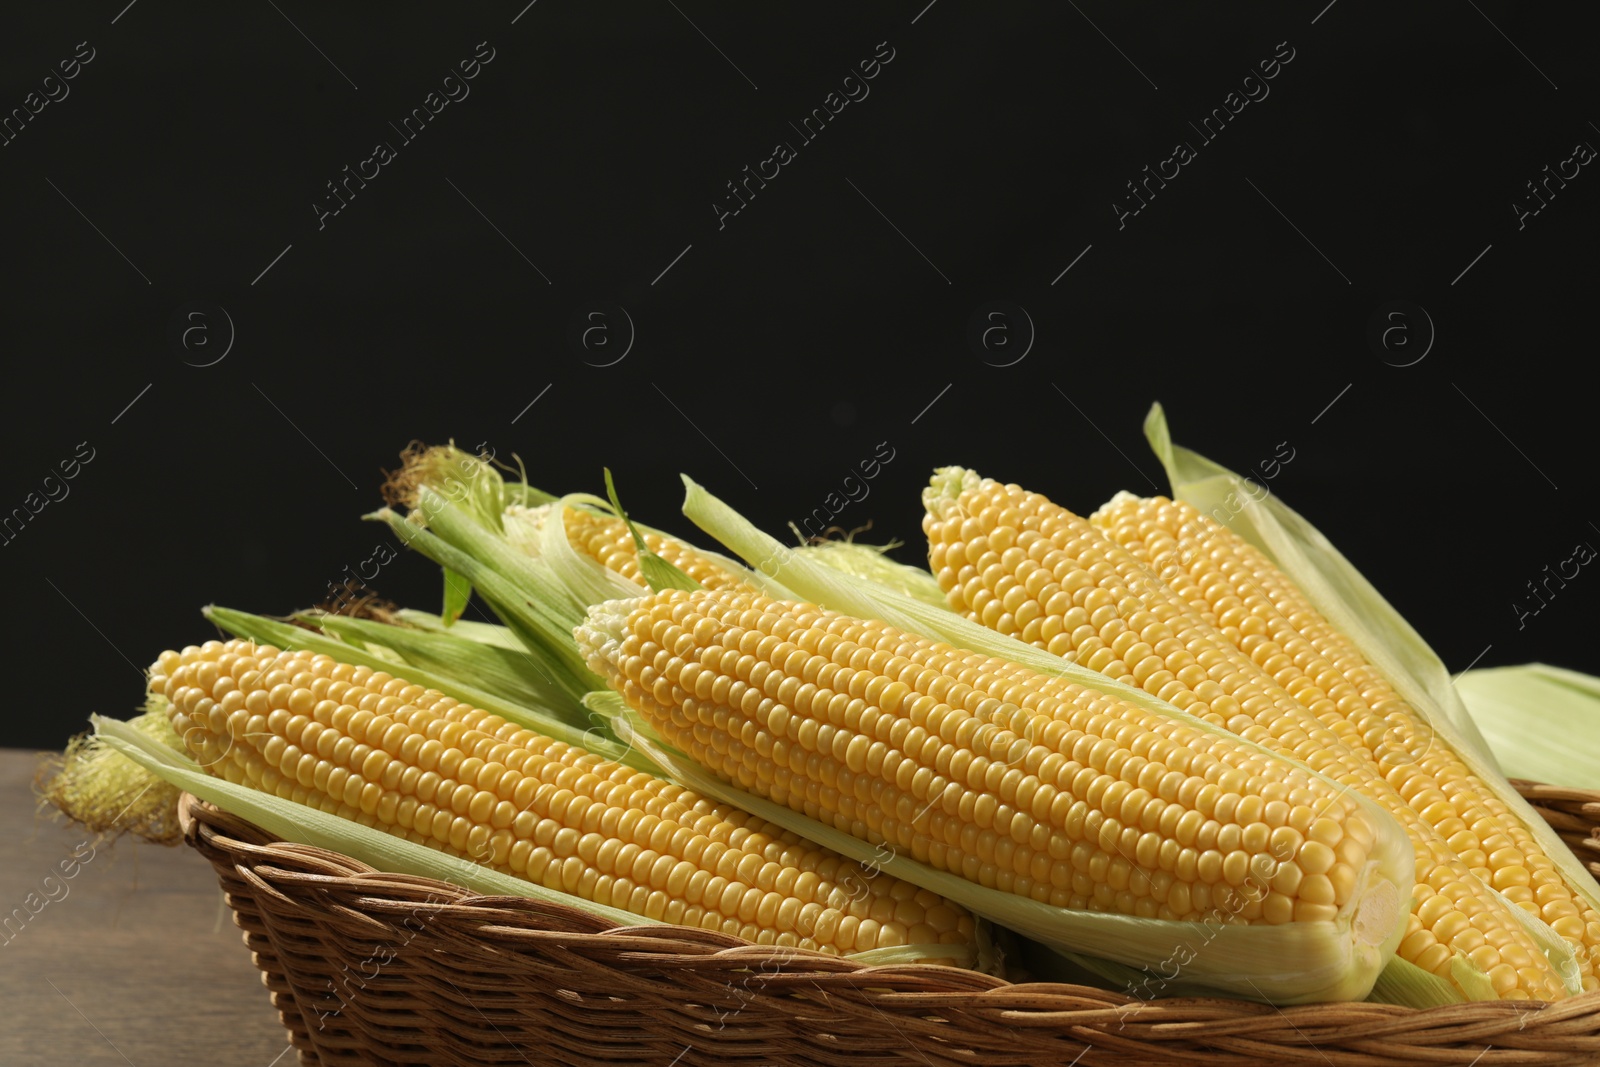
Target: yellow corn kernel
608	542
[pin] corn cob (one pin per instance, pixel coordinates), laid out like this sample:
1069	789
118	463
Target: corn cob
519	511
1039	788
375	749
1262	613
1024	566
608	542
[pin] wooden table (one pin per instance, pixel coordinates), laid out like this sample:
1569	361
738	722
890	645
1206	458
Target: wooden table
135	961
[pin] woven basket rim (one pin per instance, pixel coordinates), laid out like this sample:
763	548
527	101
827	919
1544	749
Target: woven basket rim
204	825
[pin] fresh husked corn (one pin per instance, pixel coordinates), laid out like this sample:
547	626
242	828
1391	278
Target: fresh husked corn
388	754
609	542
1026	567
1260	611
1015	781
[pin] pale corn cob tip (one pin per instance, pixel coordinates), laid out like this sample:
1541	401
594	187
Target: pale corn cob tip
599	636
977	766
1026	567
946	485
523	526
377	750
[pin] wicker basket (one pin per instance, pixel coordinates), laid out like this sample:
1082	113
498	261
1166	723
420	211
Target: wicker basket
373	968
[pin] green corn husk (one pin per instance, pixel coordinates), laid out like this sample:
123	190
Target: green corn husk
873	562
452	538
502	668
457	592
526	571
529	551
470	481
1330	949
575	729
1542	722
510	673
486	633
657	572
1354	607
1408	986
479	491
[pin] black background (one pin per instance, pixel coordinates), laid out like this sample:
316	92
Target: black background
778	350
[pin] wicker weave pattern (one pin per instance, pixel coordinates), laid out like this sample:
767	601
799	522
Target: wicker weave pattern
372	968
